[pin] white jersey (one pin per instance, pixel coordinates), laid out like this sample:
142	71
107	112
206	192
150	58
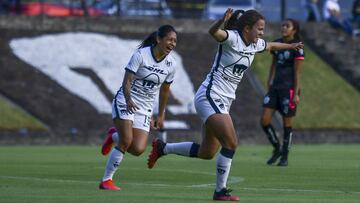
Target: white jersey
150	74
232	59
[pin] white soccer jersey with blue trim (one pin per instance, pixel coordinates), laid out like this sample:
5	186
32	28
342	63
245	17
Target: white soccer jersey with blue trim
150	74
231	61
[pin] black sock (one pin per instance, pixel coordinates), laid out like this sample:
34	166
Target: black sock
287	140
271	135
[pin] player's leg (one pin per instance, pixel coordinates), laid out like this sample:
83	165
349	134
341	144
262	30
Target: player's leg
286	141
111	137
288	111
117	153
270	104
271	134
222	128
139	142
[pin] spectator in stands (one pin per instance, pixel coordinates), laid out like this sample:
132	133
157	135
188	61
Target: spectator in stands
333	15
150	71
312	10
356	12
236	51
284	91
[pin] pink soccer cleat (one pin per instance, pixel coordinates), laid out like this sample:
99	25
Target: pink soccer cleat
107	145
108	185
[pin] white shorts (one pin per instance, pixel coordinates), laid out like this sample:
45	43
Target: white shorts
208	102
140	120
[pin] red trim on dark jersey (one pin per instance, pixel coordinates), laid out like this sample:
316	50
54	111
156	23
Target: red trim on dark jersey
299	58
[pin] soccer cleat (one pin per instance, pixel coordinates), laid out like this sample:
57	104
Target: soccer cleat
108	185
224	195
283	162
107	145
156	152
276	154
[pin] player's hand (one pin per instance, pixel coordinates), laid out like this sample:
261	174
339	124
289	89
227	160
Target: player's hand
159	124
297	46
227	15
296	99
131	107
153	124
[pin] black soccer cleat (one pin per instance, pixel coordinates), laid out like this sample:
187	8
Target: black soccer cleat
275	156
283	162
224	195
156	152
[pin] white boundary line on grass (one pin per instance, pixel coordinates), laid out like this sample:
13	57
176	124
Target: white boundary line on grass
235	180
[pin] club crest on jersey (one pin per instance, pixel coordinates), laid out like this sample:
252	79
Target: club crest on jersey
301	51
266	99
168	63
286	54
155	70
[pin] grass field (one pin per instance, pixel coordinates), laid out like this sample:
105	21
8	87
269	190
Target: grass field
317	173
326	101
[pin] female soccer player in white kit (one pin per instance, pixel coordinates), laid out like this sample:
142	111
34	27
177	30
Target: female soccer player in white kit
213	99
151	69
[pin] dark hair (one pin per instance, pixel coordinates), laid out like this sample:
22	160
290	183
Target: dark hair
161	33
296	27
231	24
248	18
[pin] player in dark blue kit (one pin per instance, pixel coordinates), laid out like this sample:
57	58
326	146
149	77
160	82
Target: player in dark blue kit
284	91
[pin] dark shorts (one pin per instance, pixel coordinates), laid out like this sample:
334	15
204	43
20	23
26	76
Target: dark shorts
281	100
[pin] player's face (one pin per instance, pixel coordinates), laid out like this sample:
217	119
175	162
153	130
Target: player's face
257	31
168	43
287	29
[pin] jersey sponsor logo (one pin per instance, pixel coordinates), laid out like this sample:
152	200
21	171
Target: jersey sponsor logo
156	70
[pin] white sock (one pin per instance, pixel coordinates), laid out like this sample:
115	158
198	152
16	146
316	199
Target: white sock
181	148
113	163
115	137
223	165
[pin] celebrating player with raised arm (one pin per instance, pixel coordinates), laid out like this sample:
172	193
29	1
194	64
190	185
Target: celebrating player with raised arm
237	47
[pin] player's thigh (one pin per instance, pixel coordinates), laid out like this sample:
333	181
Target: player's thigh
210	144
124	127
222	128
266	116
139	141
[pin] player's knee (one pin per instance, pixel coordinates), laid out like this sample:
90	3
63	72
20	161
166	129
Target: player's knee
264	122
136	152
206	155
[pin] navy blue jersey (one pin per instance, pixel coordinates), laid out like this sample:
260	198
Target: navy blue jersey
284	67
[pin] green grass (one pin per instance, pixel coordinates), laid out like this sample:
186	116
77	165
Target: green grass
12	118
326	101
317	173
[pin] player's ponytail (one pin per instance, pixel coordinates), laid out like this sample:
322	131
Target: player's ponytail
232	23
161	33
248	18
149	41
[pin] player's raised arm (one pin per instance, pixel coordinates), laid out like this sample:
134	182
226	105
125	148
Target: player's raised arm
273	46
215	30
